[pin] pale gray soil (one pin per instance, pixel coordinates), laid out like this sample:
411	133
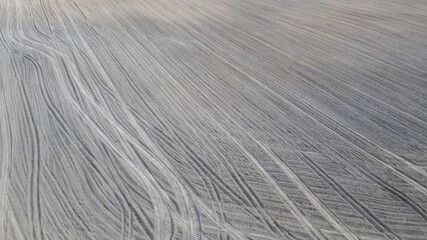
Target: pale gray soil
213	119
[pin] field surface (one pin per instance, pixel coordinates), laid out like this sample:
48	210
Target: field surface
213	119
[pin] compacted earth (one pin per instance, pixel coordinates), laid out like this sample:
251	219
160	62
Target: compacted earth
213	119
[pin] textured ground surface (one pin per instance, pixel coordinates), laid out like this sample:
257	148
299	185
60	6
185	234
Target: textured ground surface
213	119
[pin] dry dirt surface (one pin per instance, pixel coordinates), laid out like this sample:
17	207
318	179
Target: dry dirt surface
213	119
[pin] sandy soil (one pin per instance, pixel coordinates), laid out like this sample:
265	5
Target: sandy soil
213	119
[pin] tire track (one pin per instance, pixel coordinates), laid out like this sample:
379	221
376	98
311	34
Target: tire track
196	119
